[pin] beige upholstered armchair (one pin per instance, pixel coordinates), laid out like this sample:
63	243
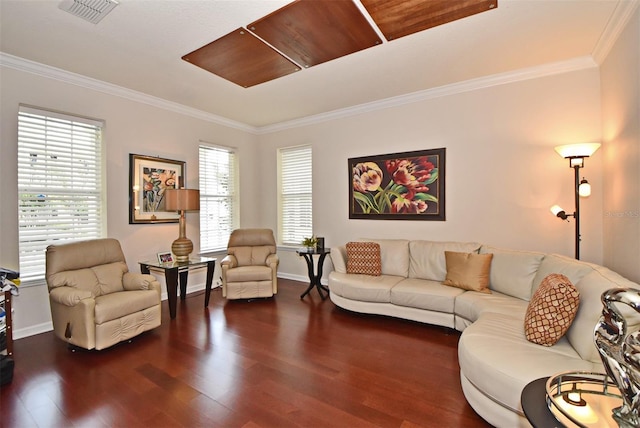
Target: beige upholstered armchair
95	301
250	267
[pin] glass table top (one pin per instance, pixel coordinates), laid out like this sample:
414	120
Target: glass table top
584	399
193	261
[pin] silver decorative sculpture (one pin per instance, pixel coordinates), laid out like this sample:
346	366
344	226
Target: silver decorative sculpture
620	352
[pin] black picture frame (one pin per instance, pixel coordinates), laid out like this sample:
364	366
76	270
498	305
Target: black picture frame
398	186
149	177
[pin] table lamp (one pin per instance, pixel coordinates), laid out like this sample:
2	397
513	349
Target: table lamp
182	200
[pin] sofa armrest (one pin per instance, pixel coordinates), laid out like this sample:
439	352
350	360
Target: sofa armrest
69	296
229	262
272	261
132	281
339	259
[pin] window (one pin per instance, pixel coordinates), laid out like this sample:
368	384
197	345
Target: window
60	185
218	197
295	202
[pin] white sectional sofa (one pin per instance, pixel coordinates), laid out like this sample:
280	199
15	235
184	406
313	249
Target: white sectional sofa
496	360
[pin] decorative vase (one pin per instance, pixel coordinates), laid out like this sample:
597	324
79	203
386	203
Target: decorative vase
620	352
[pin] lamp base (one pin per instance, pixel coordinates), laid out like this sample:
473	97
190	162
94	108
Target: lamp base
181	248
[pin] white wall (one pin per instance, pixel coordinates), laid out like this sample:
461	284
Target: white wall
131	127
620	74
502	172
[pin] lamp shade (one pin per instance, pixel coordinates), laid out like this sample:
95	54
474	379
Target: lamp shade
583	150
182	200
584	189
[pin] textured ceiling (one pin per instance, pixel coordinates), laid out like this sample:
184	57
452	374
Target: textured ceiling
139	46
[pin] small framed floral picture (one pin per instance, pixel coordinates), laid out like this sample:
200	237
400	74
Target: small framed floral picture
398	186
149	178
166	257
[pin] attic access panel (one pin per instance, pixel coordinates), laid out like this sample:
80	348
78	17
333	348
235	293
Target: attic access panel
241	58
399	18
311	32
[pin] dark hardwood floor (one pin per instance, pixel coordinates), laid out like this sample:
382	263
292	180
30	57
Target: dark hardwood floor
280	362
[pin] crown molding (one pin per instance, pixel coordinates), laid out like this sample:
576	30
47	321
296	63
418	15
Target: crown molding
619	19
580	63
21	64
33	67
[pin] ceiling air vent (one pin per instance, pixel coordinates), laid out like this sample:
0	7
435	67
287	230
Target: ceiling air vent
89	10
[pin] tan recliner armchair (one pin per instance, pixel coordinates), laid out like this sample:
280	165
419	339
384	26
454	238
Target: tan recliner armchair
249	270
95	301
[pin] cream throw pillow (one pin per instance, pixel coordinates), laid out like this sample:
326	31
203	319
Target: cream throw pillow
469	271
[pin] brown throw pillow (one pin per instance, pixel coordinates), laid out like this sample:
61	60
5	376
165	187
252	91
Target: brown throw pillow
551	310
364	258
469	271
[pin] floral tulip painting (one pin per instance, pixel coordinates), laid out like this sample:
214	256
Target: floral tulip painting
402	186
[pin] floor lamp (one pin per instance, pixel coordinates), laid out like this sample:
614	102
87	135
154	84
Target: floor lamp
182	200
576	154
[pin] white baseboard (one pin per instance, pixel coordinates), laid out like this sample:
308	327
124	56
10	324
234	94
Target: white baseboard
32	330
301	278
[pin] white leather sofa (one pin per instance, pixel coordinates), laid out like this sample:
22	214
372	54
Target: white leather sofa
496	360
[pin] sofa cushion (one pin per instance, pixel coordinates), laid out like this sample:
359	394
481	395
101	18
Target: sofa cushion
497	359
363	287
469	271
551	310
555	263
249	273
117	305
98	280
427	257
512	272
251	255
425	294
471	305
364	258
394	254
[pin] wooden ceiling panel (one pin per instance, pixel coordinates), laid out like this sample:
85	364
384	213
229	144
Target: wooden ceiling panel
311	32
241	58
399	18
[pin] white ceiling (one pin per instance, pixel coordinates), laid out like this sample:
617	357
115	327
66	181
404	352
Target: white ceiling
139	46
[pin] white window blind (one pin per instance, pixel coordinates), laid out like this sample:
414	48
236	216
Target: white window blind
59	185
296	222
219	213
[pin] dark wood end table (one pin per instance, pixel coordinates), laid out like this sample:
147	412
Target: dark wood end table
314	276
171	272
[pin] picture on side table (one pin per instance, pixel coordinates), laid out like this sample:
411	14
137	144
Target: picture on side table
398	186
166	257
149	177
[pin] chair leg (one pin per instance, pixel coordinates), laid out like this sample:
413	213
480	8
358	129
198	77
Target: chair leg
73	348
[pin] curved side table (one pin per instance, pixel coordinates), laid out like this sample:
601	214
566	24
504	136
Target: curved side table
314	276
534	405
